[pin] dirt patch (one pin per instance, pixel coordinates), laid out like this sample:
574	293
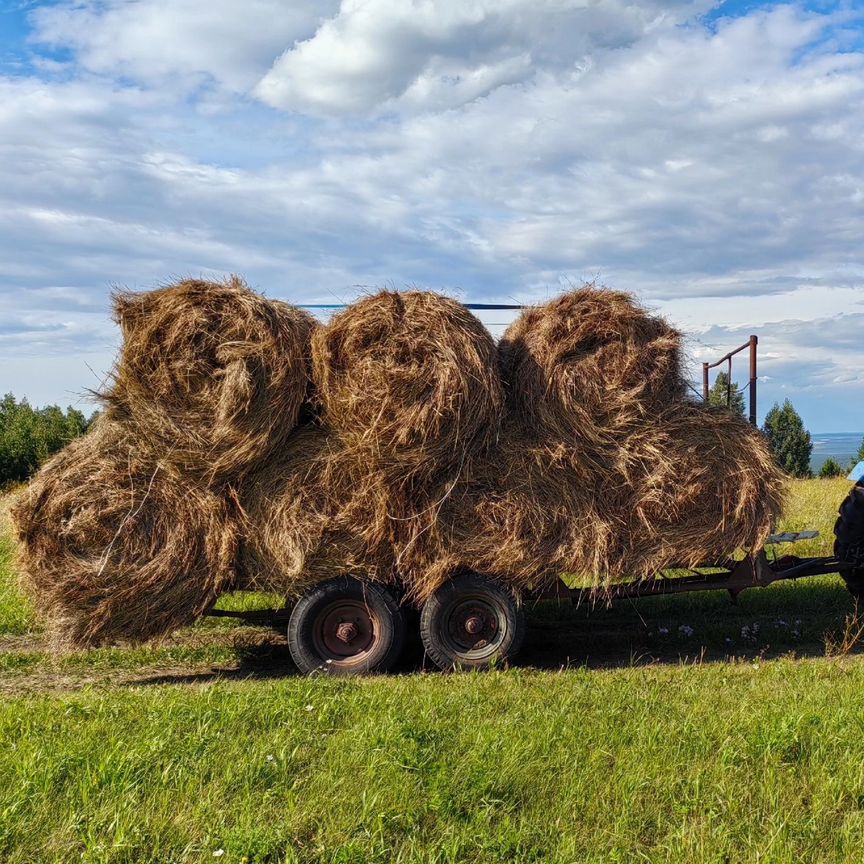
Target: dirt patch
257	652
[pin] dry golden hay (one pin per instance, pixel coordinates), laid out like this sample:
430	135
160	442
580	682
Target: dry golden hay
523	513
408	377
691	488
114	547
318	510
588	363
212	377
671	484
285	512
703	484
601	469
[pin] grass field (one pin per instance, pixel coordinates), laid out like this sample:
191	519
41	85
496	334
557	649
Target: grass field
674	729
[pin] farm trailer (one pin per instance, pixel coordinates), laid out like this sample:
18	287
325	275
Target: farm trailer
345	626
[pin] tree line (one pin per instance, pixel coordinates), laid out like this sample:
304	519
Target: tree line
28	436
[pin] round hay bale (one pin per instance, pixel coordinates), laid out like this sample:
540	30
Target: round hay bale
114	547
409	376
211	376
284	506
702	484
524	515
587	363
319	511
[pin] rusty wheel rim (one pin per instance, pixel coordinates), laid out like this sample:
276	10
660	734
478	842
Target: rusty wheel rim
472	627
345	632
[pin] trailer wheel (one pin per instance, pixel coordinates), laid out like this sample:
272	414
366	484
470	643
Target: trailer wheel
471	622
849	539
346	627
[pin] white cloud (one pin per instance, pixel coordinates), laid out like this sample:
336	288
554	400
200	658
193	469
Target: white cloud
818	363
436	54
498	150
186	41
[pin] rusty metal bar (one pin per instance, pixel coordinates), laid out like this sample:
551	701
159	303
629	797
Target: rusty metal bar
754	342
725	357
755	572
752	345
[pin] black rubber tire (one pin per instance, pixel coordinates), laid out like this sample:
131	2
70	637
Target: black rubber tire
849	539
447	643
387	627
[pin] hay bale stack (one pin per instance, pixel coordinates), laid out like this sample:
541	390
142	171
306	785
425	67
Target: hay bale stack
588	363
113	546
413	471
408	379
211	377
609	491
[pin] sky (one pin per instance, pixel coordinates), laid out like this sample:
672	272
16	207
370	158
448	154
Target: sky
708	157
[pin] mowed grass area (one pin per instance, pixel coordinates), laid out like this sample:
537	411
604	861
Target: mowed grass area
671	729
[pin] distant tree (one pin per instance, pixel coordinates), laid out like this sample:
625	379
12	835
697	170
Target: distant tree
721	389
790	442
831	468
28	435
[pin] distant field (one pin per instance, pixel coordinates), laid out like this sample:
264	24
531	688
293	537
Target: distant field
674	729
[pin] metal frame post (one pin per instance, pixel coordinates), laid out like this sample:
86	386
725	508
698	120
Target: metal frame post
754	341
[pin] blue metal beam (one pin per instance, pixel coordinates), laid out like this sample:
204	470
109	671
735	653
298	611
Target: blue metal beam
466	305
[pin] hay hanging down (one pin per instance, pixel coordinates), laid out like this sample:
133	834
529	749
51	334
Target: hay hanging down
691	489
211	377
409	377
704	485
284	507
588	363
318	510
114	547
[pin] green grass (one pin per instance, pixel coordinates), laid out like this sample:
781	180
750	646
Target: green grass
813	504
16	615
691	764
680	729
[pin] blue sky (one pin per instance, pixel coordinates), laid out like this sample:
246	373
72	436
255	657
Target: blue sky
708	157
